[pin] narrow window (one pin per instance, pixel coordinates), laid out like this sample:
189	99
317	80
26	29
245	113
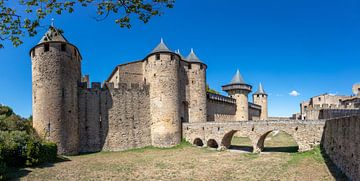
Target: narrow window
63	93
319	98
46	47
189	66
63	47
33	53
201	66
172	57
157	57
75	52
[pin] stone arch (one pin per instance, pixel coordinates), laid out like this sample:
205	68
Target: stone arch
198	142
261	140
228	138
211	143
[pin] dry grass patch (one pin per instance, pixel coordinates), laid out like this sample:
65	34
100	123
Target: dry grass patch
184	162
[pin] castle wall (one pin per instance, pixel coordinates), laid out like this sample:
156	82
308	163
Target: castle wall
114	119
129	118
334	113
220	108
128	73
254	113
55	75
341	143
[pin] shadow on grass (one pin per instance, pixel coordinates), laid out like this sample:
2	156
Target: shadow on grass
241	148
15	173
334	170
284	149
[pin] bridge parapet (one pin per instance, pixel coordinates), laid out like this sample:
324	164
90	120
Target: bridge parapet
306	133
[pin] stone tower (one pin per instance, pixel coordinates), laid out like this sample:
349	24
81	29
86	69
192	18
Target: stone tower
197	88
261	98
239	90
56	73
161	71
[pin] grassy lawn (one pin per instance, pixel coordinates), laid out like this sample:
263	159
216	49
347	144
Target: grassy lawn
183	162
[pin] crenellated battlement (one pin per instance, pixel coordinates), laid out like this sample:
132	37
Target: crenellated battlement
220	98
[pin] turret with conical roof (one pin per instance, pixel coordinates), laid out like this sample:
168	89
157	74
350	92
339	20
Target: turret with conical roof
197	88
261	98
239	90
161	71
55	77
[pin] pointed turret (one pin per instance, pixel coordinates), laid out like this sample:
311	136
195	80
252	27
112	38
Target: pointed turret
237	79
239	90
260	98
56	73
161	47
192	57
260	91
53	35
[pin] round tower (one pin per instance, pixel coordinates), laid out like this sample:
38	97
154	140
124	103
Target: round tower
197	88
56	72
161	71
239	90
261	98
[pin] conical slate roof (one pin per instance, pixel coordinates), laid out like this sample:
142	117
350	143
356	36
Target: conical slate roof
260	90
237	79
53	34
161	47
192	57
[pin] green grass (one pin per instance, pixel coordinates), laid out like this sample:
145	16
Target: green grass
314	154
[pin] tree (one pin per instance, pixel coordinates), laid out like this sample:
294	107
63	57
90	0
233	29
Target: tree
14	25
210	90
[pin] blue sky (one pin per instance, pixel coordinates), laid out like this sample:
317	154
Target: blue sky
308	46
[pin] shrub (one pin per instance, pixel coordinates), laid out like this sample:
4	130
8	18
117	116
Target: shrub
19	144
2	166
48	152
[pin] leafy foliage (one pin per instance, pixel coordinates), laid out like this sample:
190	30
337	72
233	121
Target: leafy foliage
208	89
19	144
14	25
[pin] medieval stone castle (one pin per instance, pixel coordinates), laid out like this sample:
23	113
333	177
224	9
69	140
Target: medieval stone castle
162	99
142	103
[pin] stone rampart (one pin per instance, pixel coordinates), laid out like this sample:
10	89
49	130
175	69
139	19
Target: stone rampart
220	108
114	119
341	143
335	113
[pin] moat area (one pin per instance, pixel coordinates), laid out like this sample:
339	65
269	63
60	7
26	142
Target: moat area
279	161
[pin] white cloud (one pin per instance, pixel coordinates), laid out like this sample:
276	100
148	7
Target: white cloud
294	93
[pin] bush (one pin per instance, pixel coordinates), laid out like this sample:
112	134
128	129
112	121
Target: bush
19	144
48	152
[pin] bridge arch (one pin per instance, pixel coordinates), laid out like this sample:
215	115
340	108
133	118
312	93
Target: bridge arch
198	142
212	143
234	140
261	141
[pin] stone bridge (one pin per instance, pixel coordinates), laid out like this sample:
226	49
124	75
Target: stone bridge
306	133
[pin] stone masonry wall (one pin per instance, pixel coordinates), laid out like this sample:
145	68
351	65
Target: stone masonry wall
114	119
55	77
341	143
220	111
307	134
334	113
128	73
